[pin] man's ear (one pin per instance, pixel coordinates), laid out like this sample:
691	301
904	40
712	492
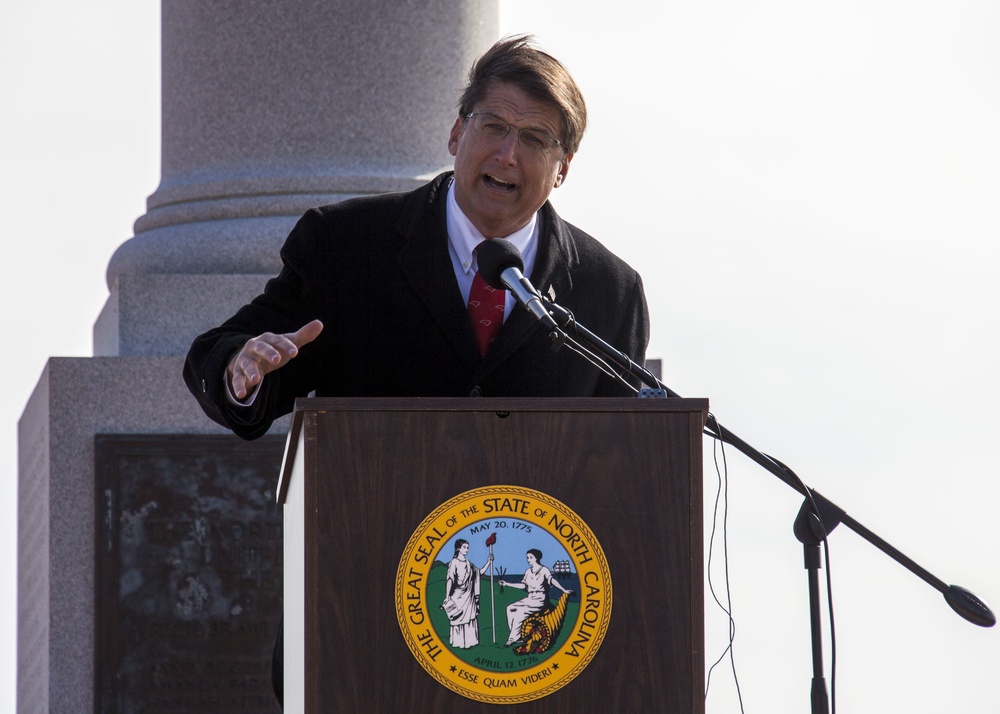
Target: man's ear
563	170
456	131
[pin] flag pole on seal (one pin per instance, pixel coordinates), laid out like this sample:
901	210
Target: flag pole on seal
493	611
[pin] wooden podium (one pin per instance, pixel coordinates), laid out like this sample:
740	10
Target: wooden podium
361	475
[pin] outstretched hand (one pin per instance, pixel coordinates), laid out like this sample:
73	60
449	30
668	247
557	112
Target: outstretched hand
266	353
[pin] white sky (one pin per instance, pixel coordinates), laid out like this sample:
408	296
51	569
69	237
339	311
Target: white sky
811	192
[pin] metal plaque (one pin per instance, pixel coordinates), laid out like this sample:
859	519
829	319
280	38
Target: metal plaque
189	573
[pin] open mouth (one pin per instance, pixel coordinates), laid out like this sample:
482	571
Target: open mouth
498	183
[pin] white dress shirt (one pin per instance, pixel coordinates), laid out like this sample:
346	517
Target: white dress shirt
463	237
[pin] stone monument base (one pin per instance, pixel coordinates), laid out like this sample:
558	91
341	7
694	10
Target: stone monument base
76	400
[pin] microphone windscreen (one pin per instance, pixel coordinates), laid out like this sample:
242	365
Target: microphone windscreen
495	256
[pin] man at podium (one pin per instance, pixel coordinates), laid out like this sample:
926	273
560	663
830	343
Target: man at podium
380	296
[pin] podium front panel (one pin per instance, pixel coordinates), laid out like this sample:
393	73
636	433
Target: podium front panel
374	469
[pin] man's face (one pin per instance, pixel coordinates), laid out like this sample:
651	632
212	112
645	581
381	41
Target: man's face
500	184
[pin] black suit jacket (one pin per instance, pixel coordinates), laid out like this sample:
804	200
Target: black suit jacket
377	272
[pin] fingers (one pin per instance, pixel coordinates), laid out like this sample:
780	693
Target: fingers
306	334
255	359
266	353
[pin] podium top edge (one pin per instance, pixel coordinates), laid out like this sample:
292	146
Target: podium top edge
471	405
501	404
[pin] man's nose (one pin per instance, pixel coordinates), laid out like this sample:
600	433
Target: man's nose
507	150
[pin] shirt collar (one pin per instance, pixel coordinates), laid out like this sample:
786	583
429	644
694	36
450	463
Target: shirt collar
464	236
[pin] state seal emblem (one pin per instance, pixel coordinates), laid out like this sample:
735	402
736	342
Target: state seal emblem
503	594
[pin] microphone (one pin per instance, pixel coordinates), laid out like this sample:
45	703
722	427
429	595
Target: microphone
500	265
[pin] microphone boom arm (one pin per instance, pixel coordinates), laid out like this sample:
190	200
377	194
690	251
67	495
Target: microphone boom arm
828	514
565	319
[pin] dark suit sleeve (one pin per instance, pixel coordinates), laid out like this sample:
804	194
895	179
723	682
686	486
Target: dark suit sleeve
287	303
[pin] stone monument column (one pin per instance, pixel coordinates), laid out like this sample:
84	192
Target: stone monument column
268	108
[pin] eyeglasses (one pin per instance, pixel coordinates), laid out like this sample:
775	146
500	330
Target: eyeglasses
497	128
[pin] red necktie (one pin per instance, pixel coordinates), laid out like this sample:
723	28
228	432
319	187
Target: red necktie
486	307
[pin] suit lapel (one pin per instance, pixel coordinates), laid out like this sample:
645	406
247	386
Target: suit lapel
425	263
557	257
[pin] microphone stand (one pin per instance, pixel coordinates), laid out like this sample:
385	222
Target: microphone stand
817	517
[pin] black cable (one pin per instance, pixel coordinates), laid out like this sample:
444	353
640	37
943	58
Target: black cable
723	491
833	629
574	346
